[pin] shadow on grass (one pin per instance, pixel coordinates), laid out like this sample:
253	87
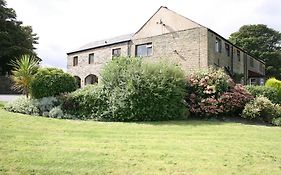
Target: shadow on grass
199	122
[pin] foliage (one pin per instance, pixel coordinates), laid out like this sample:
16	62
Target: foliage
130	90
15	39
31	106
276	121
23	105
263	43
56	112
143	91
24	69
212	93
86	103
263	109
45	104
233	101
266	91
51	82
274	83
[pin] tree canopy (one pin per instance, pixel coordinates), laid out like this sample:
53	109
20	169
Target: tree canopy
15	39
262	42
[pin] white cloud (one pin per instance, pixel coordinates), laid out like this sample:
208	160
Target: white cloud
63	25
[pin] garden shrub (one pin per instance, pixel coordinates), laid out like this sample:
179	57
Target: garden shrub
211	92
51	82
266	91
273	82
56	112
234	100
45	104
31	106
23	105
276	121
86	103
143	91
261	108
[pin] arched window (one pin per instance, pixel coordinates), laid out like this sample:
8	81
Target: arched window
78	81
91	79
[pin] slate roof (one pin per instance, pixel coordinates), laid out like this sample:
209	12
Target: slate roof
105	42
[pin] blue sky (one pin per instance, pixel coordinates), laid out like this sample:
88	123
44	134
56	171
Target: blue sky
63	25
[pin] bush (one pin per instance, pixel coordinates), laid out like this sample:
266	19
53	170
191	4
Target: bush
273	82
23	105
261	108
142	91
46	104
32	106
212	93
51	82
276	121
56	112
233	101
266	91
86	103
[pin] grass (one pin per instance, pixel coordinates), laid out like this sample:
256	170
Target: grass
37	145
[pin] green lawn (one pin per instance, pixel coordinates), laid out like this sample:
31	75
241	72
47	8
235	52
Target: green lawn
36	145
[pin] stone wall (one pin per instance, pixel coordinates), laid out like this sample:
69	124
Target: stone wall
192	49
101	56
188	48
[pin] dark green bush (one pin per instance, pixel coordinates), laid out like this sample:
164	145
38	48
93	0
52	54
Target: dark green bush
143	91
86	103
51	82
266	91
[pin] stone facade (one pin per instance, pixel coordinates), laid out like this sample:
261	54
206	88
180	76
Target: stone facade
171	37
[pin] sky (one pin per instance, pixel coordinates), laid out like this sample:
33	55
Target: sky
64	25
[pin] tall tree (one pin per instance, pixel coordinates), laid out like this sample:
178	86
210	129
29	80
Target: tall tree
15	39
262	42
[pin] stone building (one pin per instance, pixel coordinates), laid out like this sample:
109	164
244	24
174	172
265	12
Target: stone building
167	35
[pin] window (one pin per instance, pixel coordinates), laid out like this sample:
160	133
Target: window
251	62
227	49
238	55
144	50
218	45
75	61
116	52
91	58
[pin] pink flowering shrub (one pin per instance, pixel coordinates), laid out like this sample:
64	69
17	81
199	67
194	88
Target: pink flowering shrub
212	93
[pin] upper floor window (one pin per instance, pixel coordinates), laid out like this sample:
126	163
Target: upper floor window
116	52
75	61
227	49
238	55
91	58
144	50
218	45
251	62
